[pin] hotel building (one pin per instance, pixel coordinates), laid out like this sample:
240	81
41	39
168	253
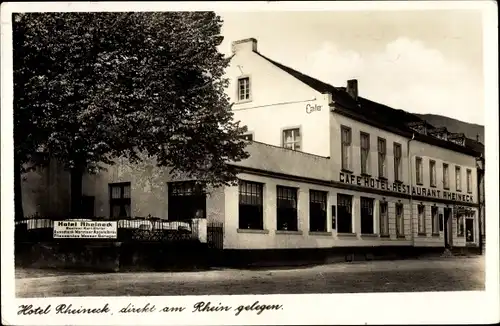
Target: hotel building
328	168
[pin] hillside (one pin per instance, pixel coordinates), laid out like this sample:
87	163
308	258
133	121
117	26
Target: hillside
470	130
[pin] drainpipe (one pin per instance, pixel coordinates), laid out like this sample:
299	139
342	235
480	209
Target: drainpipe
411	188
479	176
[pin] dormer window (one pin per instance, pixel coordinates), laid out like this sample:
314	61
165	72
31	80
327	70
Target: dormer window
244	89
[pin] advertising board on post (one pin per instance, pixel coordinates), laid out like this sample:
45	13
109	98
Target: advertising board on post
85	230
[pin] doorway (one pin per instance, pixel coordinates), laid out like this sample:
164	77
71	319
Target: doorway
448	228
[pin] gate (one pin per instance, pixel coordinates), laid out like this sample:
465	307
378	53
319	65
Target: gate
215	235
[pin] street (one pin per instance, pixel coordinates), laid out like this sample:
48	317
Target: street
450	274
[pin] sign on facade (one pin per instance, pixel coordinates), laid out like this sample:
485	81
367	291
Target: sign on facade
85	230
369	182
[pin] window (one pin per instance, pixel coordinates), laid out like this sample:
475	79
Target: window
469	181
344	213
365	152
384	219
244	89
382	150
460	226
250	205
317	211
291	139
346	148
469	230
119	199
247	137
435	220
366	215
419	170
432	173
286	217
421	219
397	162
186	200
400	228
446	176
458	178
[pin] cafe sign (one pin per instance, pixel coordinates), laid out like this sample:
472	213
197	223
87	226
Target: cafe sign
85	230
399	187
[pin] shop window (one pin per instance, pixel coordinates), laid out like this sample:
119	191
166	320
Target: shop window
384	219
367	216
186	201
421	219
250	205
119	199
317	210
286	217
460	225
469	230
344	214
400	227
435	220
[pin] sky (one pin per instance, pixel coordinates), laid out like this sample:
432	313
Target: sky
418	61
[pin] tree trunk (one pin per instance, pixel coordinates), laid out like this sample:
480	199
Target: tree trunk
76	191
18	192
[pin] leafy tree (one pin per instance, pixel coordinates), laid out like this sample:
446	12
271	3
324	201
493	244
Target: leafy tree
91	87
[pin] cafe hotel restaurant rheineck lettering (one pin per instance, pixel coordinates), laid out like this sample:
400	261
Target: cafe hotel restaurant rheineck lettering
399	187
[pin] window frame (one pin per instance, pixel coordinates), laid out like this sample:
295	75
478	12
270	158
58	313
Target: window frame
294	142
458	178
259	205
398	171
422	228
186	195
365	229
320	215
435	220
249	87
400	220
382	157
342	199
469	180
123	201
419	170
291	214
383	226
365	170
346	162
446	176
432	173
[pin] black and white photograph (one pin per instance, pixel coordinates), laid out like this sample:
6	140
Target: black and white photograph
228	163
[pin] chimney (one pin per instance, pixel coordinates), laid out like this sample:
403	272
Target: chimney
248	44
352	88
477	138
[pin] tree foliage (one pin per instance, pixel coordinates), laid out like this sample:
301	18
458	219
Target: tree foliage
90	87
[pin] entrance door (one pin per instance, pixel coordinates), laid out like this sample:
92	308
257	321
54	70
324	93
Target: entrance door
448	228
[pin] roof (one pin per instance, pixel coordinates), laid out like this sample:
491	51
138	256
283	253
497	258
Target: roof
373	113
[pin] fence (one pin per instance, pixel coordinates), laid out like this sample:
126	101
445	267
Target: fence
143	229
